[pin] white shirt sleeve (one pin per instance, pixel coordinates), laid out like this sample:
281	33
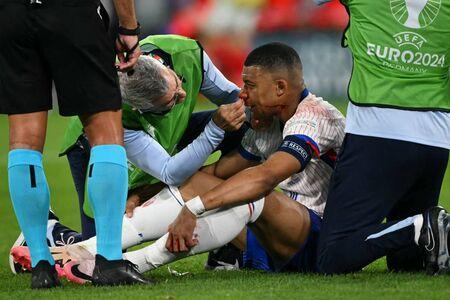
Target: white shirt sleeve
215	86
147	154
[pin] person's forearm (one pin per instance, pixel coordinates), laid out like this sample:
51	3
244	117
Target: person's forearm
186	162
126	13
147	154
246	186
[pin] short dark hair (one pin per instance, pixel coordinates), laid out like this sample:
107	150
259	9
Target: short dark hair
274	56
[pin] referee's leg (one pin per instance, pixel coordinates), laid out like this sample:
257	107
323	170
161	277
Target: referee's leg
107	181
371	176
25	96
28	186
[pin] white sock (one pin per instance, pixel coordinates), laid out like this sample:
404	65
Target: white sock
130	237
152	256
212	231
152	218
418	222
149	221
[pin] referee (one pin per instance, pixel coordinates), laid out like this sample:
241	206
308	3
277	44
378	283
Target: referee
395	152
66	41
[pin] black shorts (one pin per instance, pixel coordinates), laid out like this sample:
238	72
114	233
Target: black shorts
65	41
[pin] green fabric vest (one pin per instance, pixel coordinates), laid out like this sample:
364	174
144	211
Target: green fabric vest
186	56
168	129
400	53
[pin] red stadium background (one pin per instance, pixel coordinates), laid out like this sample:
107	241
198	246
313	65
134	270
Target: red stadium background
229	29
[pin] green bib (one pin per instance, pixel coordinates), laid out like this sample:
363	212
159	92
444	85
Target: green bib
167	130
401	52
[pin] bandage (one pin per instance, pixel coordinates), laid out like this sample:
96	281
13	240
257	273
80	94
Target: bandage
195	206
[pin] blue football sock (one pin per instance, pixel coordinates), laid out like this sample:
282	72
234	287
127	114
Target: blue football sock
31	200
107	187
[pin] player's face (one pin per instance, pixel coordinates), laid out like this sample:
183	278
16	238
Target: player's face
175	93
259	93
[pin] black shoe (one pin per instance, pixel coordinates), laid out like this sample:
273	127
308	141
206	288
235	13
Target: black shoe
227	257
434	239
117	272
44	276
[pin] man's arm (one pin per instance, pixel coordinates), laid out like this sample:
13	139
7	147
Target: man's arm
245	186
252	183
127	43
292	156
147	154
126	13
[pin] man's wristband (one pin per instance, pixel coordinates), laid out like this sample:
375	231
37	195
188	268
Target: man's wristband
195	206
126	31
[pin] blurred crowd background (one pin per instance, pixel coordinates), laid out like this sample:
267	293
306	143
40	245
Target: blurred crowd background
229	29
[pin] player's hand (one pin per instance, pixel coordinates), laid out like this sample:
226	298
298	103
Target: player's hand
128	52
132	202
230	117
181	232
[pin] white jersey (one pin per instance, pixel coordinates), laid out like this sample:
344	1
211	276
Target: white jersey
319	121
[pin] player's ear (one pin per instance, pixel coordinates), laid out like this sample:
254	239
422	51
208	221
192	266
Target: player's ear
281	85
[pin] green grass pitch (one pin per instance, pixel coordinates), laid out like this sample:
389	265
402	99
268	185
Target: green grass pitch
372	283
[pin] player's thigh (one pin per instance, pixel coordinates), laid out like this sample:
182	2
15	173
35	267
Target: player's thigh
283	225
371	175
25	84
80	53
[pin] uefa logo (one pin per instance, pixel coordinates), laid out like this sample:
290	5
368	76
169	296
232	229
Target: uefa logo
415	13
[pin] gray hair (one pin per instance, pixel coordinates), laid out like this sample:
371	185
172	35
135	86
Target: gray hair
145	85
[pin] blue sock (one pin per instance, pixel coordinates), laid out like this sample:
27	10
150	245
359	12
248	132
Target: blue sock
31	200
107	187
